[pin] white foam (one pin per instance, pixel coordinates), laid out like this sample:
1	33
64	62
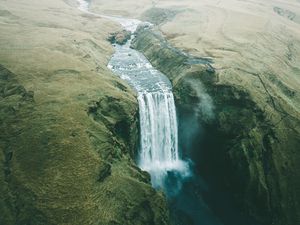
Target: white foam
159	154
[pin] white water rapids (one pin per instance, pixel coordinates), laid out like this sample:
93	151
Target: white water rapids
158	154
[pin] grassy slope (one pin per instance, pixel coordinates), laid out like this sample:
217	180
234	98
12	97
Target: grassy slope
62	158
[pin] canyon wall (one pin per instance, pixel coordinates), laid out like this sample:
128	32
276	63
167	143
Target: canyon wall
249	133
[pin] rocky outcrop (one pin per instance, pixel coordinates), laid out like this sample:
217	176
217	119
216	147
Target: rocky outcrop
250	146
124	129
119	37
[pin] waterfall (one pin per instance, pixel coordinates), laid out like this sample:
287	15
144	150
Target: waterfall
158	123
158	153
159	136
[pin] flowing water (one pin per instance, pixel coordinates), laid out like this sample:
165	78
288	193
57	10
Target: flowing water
158	153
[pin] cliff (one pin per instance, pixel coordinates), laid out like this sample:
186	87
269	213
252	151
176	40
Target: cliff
236	71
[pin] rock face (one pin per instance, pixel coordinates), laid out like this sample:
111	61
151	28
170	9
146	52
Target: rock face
120	37
253	148
68	126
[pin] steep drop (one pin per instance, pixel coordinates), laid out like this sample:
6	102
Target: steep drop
158	152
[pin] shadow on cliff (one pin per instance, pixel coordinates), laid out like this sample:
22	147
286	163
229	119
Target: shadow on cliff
203	199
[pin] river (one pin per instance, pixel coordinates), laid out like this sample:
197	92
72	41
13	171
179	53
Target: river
159	153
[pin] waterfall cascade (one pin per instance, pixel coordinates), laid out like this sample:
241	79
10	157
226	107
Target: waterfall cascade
159	141
158	152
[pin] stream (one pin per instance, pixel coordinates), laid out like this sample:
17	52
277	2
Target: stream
159	153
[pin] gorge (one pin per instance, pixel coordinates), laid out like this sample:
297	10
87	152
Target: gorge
192	117
158	151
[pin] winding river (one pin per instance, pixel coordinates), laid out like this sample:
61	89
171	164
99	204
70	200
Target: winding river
158	154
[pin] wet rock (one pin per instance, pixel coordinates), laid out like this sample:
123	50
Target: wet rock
119	37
